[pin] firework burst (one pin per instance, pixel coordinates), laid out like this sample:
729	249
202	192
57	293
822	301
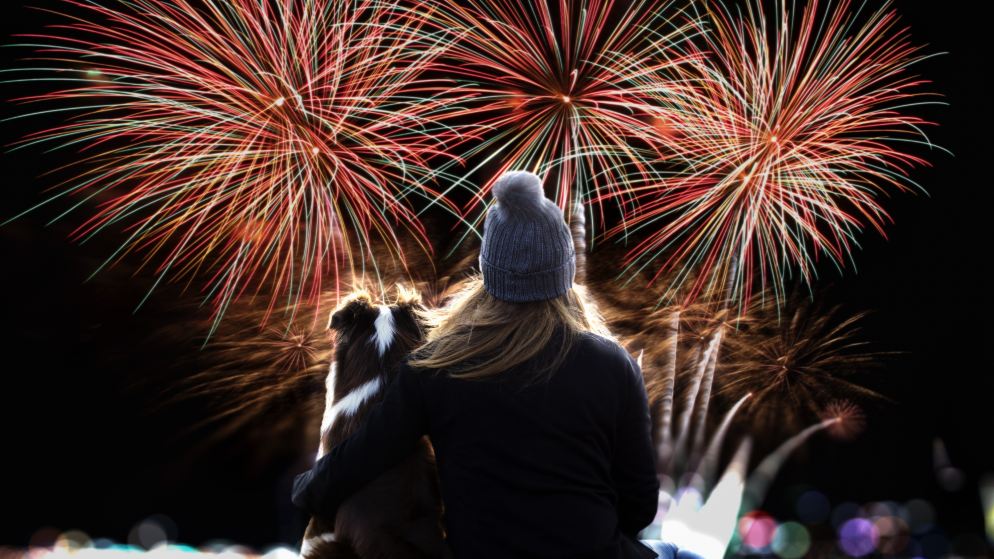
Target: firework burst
257	144
789	128
795	367
247	383
551	87
849	419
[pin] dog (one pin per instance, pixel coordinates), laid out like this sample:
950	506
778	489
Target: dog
399	514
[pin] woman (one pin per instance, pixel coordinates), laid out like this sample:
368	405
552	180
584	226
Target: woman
538	417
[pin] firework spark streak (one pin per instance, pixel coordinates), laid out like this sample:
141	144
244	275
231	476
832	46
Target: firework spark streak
246	140
789	128
552	86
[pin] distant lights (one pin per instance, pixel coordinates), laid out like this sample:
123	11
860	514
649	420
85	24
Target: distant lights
72	540
990	523
919	515
813	507
950	478
280	552
893	534
152	531
45	536
987	500
871	529
843	513
756	530
791	540
49	543
877	528
235	552
858	537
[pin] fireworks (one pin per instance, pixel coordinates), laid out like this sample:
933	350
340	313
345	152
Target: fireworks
247	383
690	349
788	130
552	87
849	419
265	146
257	144
797	366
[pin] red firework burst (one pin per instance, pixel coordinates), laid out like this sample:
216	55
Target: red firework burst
788	129
260	144
552	87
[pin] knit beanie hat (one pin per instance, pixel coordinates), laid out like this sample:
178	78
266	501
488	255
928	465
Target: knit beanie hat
527	252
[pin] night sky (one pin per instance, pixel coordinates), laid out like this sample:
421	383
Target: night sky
83	449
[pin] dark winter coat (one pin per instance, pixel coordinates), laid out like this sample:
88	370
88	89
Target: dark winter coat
559	469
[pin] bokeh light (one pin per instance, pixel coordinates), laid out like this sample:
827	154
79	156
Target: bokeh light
216	545
757	529
893	532
880	508
920	515
147	533
813	507
75	544
44	537
73	540
987	498
858	537
990	524
950	478
280	552
49	543
791	540
235	552
843	513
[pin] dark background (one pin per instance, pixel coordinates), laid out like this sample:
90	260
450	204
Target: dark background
81	451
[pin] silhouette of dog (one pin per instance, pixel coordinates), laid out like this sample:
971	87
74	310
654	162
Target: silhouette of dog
399	514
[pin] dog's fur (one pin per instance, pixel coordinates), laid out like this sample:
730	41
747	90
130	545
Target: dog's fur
398	515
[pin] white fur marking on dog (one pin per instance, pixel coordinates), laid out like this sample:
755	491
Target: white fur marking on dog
351	402
308	545
329	400
384	325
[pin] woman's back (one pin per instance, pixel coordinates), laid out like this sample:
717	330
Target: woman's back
537	470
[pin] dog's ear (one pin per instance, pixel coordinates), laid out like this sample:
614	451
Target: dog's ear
346	315
339	319
407	297
349	310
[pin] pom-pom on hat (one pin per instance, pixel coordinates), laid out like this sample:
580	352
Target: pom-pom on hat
527	252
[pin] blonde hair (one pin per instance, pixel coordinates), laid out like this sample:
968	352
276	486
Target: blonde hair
477	336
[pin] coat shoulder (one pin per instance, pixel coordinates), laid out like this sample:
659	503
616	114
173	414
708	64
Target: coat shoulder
603	345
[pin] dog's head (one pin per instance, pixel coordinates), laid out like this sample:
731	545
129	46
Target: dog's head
371	338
